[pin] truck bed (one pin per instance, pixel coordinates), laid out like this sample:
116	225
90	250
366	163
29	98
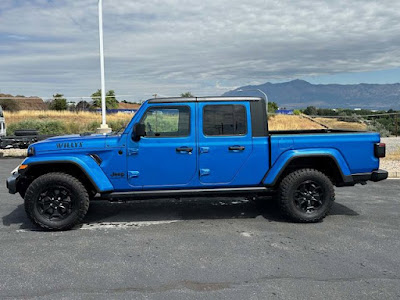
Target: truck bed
356	147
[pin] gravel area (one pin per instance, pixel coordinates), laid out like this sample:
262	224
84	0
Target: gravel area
13	153
392	143
392	166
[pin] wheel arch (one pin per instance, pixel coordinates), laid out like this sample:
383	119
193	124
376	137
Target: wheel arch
326	163
74	169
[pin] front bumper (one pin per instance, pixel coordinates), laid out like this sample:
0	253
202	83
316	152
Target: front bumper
12	182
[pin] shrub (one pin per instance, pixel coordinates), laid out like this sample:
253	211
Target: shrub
378	127
297	112
117	124
51	127
92	126
354	118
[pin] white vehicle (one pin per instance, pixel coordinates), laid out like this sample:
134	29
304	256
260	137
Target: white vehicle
2	123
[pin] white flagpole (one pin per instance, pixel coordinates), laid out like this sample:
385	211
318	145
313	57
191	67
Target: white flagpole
104	127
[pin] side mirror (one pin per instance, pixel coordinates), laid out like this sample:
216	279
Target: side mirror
139	130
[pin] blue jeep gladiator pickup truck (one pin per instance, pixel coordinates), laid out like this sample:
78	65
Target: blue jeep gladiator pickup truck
181	147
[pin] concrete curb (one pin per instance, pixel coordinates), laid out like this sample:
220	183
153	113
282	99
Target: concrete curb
394	174
13	153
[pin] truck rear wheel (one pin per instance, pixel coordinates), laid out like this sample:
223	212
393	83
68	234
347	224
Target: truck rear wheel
306	195
56	201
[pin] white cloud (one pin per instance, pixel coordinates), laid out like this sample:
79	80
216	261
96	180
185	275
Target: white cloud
168	47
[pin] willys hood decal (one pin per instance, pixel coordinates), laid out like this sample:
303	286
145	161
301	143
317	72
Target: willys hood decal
73	143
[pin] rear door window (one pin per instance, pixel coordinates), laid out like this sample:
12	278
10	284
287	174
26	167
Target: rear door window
229	119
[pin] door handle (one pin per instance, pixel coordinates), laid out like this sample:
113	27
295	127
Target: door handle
237	148
184	149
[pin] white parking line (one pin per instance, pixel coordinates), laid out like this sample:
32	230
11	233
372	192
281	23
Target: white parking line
113	225
124	225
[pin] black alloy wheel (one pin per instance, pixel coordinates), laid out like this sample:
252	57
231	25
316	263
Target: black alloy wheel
55	203
309	196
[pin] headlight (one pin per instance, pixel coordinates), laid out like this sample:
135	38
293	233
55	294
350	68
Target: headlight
31	151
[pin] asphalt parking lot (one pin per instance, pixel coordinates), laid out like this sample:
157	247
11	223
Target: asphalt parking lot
206	249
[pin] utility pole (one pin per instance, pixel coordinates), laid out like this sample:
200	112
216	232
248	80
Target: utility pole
103	127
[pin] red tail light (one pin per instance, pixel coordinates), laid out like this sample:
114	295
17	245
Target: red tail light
380	149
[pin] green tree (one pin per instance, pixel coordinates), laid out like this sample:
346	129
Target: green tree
83	105
311	111
111	101
272	106
71	106
58	102
9	104
187	95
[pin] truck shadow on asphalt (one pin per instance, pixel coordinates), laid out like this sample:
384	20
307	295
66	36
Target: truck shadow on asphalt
173	209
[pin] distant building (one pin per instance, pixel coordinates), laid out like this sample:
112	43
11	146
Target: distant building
116	110
284	112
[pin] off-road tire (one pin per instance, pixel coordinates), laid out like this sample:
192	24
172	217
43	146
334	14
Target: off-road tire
78	196
288	191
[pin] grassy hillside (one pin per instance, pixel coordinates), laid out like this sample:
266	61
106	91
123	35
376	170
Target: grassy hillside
287	122
334	123
66	122
61	122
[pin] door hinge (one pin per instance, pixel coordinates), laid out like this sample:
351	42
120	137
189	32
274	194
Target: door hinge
133	174
133	151
204	172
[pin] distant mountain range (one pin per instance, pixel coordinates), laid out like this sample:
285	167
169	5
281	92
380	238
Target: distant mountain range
300	94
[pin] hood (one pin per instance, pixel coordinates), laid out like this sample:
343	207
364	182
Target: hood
71	143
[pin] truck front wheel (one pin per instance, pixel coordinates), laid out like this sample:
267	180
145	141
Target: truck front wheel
306	195
56	201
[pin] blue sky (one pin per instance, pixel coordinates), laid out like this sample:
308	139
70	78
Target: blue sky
207	47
